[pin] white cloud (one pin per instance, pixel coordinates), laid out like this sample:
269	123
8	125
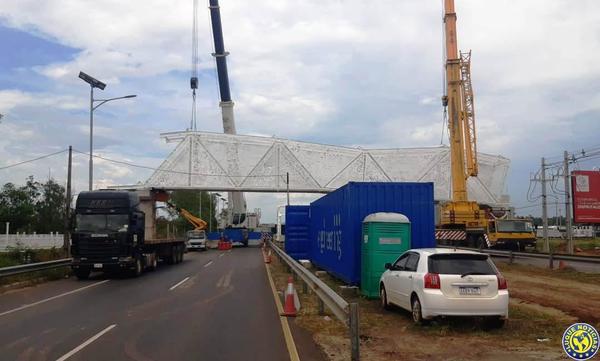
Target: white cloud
343	72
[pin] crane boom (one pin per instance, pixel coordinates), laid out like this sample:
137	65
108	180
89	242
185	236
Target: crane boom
198	223
460	212
462	221
454	101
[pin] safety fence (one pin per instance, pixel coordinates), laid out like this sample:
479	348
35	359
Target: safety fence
346	312
33	267
551	257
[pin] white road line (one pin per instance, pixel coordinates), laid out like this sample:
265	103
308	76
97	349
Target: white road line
208	264
51	298
222	254
89	340
178	283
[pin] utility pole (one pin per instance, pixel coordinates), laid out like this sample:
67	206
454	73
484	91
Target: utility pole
210	205
545	208
67	232
287	182
568	203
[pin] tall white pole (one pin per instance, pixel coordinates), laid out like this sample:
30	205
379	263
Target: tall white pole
91	175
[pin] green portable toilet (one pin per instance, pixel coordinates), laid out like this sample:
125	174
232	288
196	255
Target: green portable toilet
384	237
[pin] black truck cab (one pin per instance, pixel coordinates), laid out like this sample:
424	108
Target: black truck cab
107	232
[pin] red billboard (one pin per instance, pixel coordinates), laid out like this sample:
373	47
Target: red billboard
586	196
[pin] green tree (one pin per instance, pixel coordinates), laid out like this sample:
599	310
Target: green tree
191	201
34	207
50	207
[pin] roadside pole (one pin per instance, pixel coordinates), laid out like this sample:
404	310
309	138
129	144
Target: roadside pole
287	182
66	232
545	208
568	203
7	231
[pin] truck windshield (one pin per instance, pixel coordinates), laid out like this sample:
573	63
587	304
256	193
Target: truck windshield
196	234
514	226
102	222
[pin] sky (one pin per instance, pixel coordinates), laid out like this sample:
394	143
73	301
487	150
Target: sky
343	72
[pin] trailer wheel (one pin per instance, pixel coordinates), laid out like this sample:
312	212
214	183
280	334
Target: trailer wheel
154	262
173	256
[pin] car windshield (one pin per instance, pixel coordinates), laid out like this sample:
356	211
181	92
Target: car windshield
102	222
514	226
460	264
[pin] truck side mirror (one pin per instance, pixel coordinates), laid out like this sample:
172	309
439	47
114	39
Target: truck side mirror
388	266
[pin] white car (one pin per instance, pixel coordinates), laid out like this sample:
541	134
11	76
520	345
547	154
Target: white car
433	282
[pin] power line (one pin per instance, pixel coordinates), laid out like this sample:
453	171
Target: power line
33	160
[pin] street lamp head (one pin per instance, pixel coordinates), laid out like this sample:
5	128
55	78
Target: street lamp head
130	96
95	83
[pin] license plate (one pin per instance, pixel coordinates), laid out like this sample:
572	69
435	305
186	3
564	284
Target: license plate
469	291
97	265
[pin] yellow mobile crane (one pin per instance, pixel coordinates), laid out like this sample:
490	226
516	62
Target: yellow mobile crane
464	222
196	238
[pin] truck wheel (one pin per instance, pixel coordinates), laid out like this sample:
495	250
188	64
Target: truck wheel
137	271
181	253
82	273
481	244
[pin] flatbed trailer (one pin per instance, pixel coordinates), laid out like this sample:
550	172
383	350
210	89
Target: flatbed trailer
110	232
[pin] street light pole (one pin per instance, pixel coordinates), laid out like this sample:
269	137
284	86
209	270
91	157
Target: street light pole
95	83
91	171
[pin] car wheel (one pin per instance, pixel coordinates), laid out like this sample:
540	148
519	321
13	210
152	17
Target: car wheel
417	314
383	295
494	322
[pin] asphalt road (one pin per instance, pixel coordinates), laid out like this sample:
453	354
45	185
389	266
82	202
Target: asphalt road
213	306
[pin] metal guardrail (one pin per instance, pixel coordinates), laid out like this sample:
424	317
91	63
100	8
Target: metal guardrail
33	267
549	256
344	311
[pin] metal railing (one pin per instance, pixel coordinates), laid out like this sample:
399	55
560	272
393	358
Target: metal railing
549	256
344	311
33	267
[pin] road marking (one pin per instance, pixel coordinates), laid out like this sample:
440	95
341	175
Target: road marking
222	254
51	298
287	333
89	340
225	280
178	283
208	264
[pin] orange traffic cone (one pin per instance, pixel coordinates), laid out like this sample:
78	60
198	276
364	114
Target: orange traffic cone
292	303
267	256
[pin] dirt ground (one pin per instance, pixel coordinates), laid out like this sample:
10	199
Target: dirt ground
543	304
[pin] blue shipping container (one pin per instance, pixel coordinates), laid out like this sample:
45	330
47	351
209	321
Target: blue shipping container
336	221
297	241
233	234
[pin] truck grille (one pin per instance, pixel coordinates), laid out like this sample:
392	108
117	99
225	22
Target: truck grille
94	248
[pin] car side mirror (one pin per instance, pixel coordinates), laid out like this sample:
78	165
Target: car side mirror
388	266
